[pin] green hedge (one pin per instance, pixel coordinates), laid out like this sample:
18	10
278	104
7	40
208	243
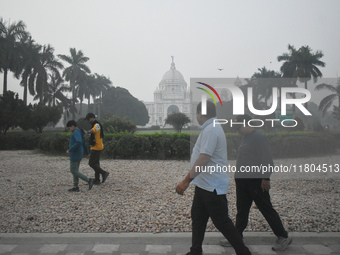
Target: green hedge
173	146
302	145
56	142
290	145
147	146
19	141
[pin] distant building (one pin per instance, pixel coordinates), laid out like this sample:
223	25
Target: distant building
172	95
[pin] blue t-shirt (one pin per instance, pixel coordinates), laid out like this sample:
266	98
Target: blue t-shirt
212	141
76	148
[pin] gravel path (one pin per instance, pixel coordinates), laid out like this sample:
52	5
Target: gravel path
139	196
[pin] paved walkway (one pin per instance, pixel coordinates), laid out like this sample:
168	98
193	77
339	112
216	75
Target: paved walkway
159	244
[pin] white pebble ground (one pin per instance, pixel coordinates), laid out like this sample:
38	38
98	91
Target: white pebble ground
139	196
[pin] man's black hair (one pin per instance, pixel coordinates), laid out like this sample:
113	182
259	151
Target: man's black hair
241	118
90	115
211	109
71	123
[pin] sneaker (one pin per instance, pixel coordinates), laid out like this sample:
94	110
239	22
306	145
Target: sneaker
96	182
225	243
105	176
74	189
90	183
282	243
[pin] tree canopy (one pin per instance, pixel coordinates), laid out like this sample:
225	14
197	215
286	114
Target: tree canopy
118	101
178	120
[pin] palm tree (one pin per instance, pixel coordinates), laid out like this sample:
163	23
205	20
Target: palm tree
101	84
327	101
92	86
288	68
47	64
55	91
302	64
30	55
251	83
69	109
265	81
82	87
10	59
75	71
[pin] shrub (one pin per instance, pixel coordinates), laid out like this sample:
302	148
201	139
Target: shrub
142	147
317	127
178	120
301	145
181	148
174	146
117	124
125	146
300	126
161	146
53	143
110	146
19	141
155	127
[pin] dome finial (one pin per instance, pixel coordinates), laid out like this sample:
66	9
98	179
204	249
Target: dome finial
173	63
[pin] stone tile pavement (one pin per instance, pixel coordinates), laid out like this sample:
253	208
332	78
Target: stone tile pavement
159	244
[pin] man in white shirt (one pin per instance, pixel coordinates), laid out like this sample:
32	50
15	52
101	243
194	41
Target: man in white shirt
210	152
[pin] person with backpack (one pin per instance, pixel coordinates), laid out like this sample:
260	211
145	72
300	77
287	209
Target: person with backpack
97	146
76	150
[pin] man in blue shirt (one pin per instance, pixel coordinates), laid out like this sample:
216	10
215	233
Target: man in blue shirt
76	151
208	173
253	183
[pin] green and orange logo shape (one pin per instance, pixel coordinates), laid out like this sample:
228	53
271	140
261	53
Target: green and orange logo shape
209	93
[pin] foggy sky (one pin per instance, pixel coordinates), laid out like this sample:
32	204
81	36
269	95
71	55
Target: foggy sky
132	42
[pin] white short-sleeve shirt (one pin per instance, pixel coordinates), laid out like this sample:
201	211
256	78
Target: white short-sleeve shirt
212	141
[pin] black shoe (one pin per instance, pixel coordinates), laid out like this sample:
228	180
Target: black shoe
90	183
74	189
96	182
105	176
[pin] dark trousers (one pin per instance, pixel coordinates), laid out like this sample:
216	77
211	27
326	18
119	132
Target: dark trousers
208	204
247	191
94	163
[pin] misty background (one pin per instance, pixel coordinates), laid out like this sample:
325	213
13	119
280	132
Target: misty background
131	42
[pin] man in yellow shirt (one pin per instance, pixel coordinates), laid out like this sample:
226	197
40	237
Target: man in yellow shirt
96	145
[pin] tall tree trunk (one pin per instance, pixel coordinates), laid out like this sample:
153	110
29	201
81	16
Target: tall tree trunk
25	93
5	81
81	107
73	88
306	104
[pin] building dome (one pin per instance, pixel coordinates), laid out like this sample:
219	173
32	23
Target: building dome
172	77
173	74
171	95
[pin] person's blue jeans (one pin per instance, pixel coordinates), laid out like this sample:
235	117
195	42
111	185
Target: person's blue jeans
74	167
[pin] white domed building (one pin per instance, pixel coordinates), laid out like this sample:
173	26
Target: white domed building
172	95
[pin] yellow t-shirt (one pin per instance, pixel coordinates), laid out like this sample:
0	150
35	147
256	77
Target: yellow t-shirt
99	141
